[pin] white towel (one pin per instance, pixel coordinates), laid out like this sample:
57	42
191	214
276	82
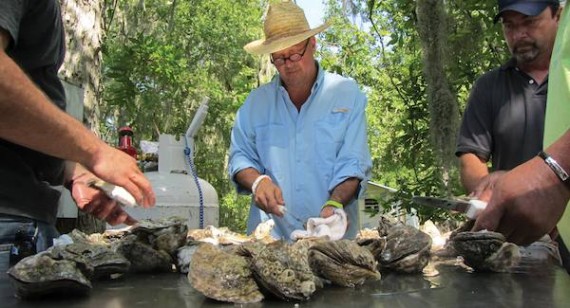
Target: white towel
333	226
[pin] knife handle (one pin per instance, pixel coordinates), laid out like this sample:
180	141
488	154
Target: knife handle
475	208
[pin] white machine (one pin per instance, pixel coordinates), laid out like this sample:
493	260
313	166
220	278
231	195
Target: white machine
179	191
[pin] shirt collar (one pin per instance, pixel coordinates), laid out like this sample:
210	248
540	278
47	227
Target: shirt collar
316	85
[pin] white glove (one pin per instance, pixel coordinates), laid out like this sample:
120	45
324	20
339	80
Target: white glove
333	226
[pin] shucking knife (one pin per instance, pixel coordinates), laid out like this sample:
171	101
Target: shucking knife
285	211
471	207
114	192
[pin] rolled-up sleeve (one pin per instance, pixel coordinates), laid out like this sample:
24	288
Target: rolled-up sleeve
243	153
353	159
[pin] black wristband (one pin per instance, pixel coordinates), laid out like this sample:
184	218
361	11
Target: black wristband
553	164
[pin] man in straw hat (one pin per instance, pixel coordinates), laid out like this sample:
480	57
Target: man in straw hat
299	141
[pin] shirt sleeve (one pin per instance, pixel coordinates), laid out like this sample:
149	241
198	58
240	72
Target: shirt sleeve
353	159
475	133
243	154
11	12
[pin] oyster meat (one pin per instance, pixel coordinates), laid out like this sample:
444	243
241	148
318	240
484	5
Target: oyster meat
343	262
486	250
222	276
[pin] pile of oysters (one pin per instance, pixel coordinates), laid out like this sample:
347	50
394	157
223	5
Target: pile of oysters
250	271
232	267
150	246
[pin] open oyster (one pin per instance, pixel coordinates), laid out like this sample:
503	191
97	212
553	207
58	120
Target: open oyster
343	262
43	274
222	276
406	250
486	250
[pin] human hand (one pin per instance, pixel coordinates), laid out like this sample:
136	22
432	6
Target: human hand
484	189
116	167
269	197
526	203
95	202
327	211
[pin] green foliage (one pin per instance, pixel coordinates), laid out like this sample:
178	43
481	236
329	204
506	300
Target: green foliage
161	57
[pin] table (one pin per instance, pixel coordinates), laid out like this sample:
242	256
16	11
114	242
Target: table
453	287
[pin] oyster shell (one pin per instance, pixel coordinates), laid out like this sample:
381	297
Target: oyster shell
281	269
101	259
222	276
486	250
343	262
143	257
42	274
407	249
165	234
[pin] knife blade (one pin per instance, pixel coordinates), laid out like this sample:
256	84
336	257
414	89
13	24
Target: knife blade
470	207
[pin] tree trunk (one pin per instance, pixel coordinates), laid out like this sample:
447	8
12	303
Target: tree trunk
82	67
444	112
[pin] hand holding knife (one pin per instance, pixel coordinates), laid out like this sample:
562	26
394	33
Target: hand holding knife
470	207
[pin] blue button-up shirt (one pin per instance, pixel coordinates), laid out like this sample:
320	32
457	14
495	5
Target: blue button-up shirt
307	153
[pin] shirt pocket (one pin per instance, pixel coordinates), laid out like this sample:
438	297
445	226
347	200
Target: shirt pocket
329	136
271	144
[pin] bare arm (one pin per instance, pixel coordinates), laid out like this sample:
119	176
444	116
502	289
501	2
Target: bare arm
472	169
528	201
28	118
343	193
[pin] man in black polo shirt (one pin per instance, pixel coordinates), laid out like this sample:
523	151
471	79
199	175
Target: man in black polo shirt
36	136
504	119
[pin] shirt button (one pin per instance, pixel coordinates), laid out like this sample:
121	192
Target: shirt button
531	81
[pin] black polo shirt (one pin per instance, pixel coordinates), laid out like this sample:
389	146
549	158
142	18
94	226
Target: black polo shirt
504	119
37	45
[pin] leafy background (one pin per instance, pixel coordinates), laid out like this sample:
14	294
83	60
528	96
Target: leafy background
161	57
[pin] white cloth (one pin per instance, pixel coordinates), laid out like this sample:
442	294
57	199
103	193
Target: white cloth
333	226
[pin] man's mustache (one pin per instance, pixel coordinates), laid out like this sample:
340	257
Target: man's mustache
522	45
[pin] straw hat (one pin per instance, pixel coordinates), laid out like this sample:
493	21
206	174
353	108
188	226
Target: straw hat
285	25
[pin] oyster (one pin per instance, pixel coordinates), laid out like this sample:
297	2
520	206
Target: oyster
143	257
407	249
223	236
486	250
42	274
343	262
103	261
222	276
281	269
165	234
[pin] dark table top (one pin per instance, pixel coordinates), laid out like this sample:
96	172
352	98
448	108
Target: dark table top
453	287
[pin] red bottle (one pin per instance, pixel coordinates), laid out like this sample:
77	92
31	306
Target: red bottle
126	141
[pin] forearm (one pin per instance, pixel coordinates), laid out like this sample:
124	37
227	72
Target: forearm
246	177
345	191
28	118
472	170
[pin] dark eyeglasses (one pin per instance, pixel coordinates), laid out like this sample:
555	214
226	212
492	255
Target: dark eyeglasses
293	58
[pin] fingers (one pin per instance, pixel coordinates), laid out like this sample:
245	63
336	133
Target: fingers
489	218
269	197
